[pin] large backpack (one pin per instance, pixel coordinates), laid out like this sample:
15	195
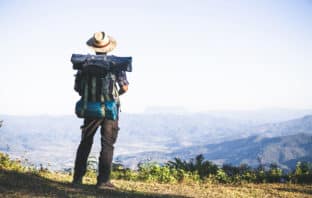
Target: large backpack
96	84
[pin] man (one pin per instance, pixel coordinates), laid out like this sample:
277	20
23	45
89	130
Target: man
101	43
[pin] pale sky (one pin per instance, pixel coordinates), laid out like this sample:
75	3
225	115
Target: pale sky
199	55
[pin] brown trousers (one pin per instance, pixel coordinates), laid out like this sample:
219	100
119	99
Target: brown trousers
109	133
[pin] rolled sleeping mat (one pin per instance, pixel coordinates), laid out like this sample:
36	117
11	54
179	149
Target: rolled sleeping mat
108	63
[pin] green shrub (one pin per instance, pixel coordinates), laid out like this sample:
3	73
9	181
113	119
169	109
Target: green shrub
199	165
4	161
302	173
7	163
248	176
274	174
222	177
155	172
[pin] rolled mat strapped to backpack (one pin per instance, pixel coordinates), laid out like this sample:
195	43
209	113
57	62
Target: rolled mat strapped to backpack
108	63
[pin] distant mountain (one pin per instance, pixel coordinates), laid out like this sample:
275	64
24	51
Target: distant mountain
285	151
262	116
301	125
43	139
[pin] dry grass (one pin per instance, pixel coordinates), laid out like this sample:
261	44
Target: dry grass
221	190
19	184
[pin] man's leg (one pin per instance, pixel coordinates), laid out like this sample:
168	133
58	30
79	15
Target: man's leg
84	149
109	132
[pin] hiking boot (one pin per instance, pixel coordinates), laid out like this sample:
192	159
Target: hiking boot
105	186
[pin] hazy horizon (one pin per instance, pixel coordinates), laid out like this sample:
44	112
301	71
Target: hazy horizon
174	109
256	116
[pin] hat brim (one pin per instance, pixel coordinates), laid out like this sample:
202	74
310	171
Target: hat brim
108	48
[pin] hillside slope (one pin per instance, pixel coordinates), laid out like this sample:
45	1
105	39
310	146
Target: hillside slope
290	127
151	137
283	143
18	184
284	151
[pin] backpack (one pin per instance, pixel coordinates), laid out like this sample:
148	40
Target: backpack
95	82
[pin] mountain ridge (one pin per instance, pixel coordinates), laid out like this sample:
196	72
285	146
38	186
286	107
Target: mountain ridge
283	151
43	140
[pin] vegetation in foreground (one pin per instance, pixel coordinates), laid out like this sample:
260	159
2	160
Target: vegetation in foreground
203	171
20	181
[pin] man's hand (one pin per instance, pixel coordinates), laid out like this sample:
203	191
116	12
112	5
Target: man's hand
123	89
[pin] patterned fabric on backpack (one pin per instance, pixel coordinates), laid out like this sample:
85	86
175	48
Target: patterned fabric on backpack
99	96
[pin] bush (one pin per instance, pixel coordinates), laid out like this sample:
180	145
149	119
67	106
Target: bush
222	177
155	172
260	176
274	174
199	165
302	173
7	163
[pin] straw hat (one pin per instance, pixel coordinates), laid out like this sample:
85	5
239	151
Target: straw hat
101	42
